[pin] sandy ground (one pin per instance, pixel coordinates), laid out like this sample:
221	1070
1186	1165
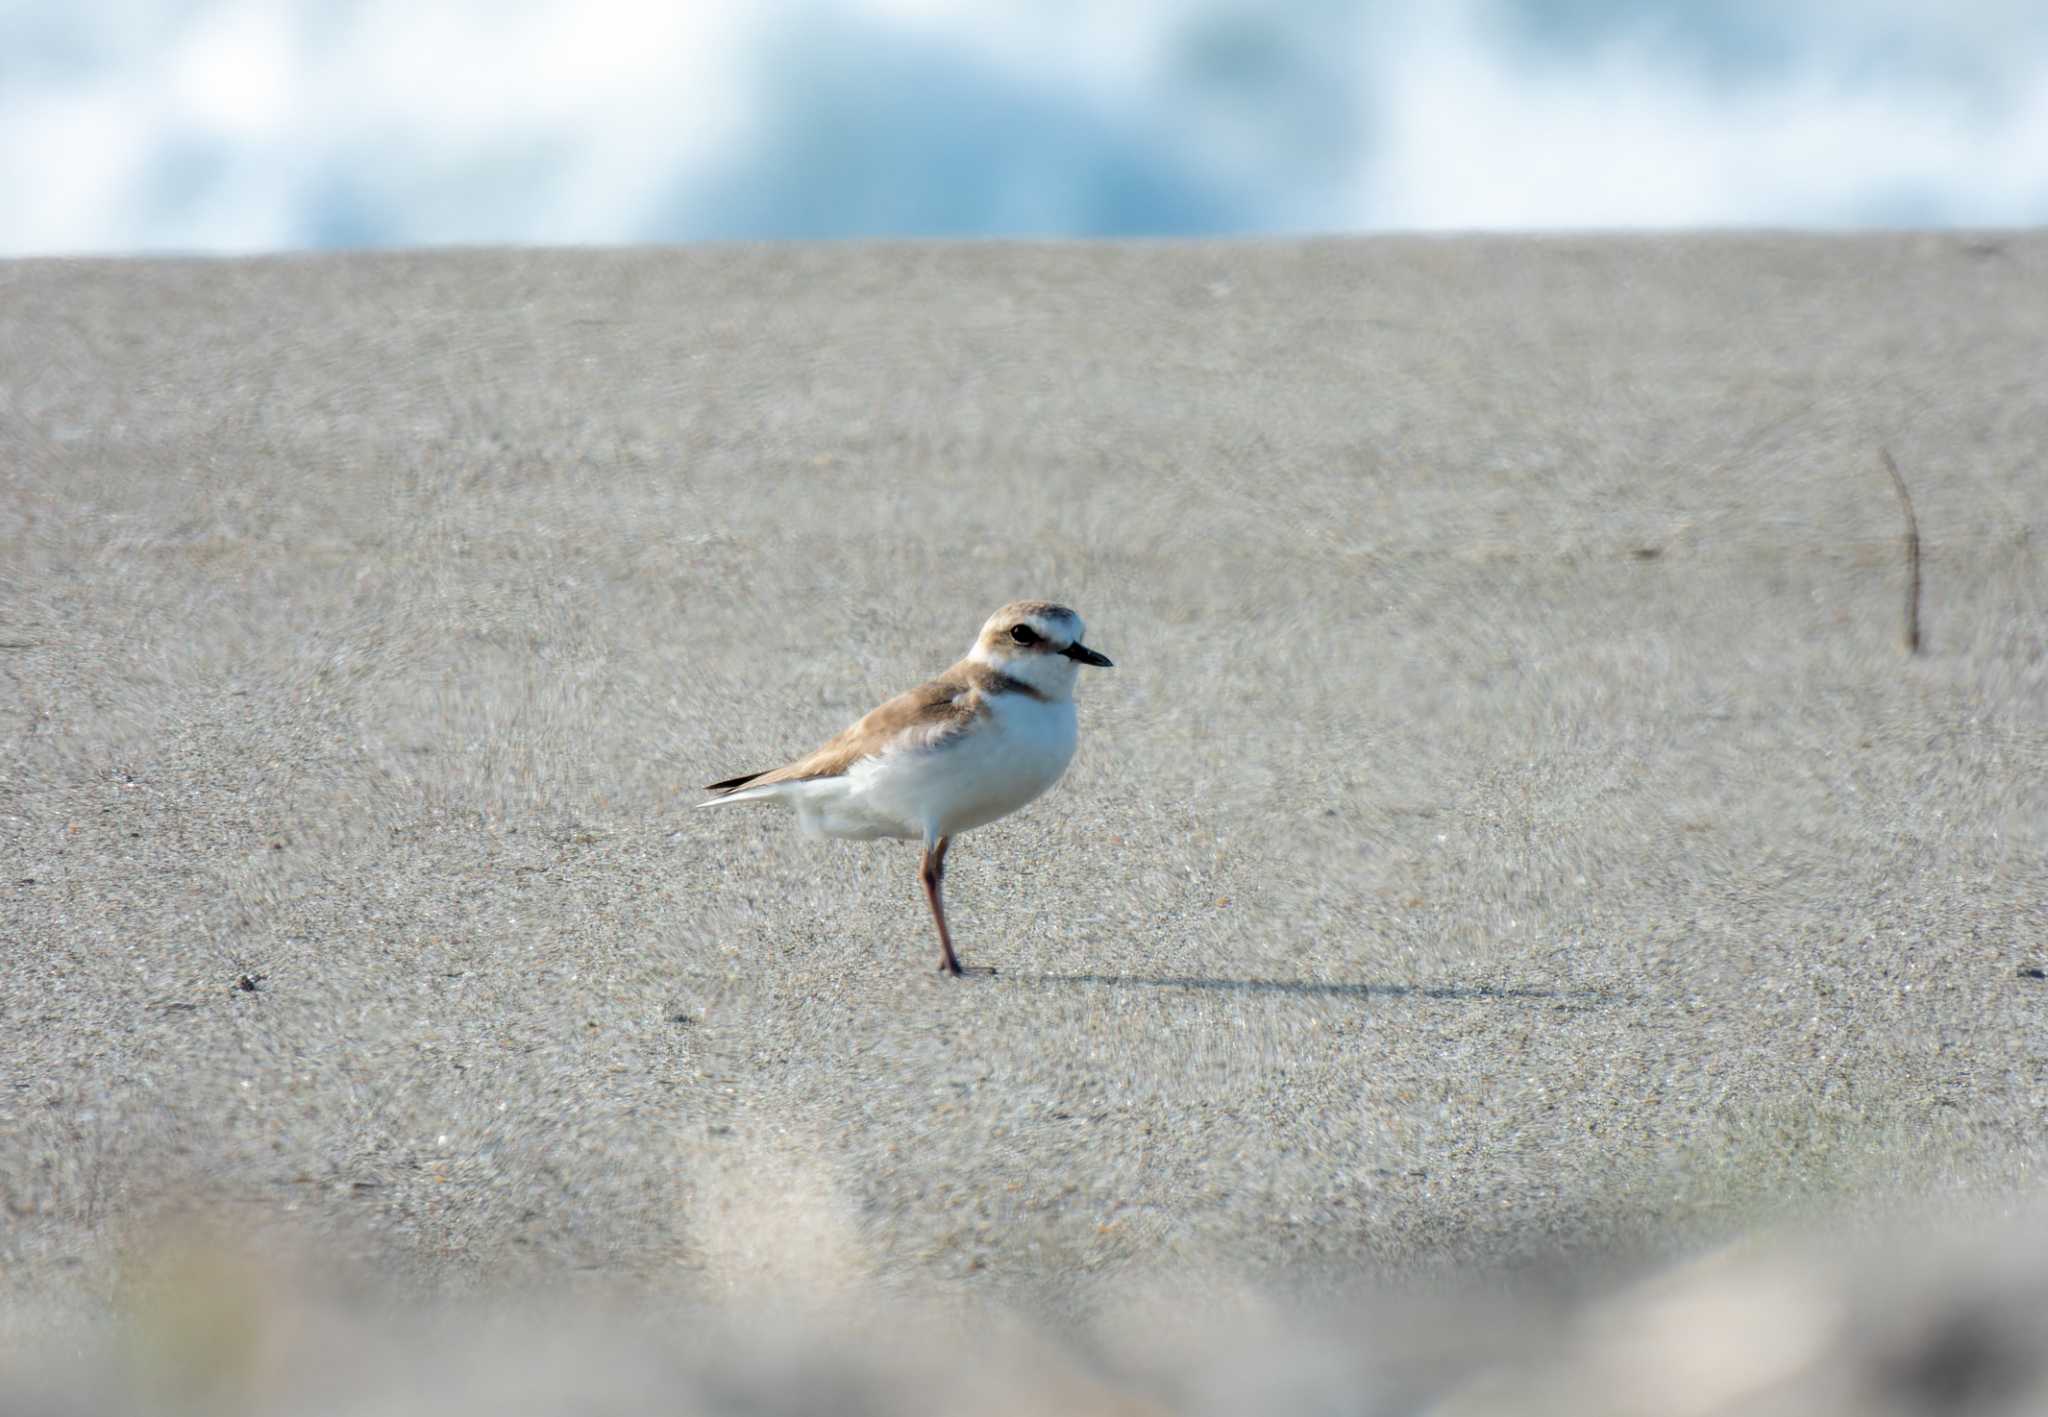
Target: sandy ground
1513	835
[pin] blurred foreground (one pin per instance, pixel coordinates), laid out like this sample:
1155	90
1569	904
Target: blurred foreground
1771	1325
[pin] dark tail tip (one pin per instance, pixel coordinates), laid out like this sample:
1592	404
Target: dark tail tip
732	784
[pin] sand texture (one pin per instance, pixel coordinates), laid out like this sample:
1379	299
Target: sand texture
1513	832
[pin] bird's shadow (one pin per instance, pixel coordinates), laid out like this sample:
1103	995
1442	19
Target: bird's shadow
1318	988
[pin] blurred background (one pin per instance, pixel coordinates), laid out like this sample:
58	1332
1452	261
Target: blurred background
249	125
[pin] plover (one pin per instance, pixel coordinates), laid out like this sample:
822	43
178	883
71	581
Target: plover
974	744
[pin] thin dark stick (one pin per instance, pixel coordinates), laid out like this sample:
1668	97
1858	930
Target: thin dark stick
1912	553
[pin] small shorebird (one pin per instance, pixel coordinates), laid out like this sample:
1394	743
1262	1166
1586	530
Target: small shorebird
974	744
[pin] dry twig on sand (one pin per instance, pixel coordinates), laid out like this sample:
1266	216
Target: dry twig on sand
1912	553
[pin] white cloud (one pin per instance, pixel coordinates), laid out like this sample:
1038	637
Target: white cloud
1627	137
232	72
254	124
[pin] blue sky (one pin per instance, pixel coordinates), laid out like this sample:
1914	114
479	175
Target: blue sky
248	125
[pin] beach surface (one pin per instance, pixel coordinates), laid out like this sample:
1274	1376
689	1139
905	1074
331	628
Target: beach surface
1513	838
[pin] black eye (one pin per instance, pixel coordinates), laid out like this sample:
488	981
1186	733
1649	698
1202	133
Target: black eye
1024	634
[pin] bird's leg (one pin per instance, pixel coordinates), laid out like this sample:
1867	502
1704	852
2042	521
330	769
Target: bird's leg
933	874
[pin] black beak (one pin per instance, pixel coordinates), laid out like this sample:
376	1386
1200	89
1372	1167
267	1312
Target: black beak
1085	655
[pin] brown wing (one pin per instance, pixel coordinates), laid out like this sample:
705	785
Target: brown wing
932	711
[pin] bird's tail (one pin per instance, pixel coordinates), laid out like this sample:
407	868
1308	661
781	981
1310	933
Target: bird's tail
748	788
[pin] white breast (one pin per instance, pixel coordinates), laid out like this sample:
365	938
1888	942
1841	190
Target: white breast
989	771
